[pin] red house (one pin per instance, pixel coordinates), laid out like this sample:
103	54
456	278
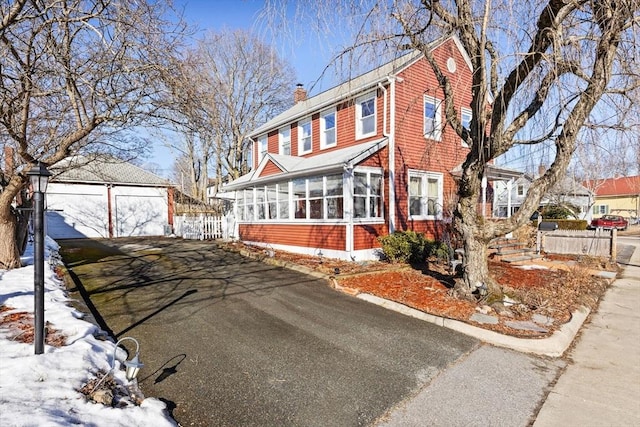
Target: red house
366	158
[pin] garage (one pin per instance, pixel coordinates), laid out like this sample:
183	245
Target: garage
106	197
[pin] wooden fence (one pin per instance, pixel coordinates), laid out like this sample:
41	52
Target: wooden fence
201	227
598	243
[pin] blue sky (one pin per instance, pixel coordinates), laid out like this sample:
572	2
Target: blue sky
306	56
306	53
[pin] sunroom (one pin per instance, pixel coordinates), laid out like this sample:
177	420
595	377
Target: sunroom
312	204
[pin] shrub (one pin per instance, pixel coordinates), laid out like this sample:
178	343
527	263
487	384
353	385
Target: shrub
571	224
405	246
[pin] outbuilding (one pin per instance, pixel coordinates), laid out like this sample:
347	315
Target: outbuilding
107	197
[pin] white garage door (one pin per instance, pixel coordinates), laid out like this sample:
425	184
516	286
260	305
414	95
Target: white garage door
75	215
140	215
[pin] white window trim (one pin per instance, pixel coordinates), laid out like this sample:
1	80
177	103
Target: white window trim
436	135
359	101
368	170
263	142
281	140
300	141
464	111
424	177
323	129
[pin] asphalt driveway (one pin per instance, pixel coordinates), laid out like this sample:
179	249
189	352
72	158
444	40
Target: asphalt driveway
231	341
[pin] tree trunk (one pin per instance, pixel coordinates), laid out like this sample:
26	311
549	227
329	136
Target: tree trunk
9	251
9	254
476	234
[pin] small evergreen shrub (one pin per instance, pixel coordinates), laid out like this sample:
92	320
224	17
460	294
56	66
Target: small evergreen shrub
405	246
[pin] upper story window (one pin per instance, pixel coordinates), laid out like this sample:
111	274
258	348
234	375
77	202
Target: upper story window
328	129
465	121
520	190
284	141
367	193
262	147
425	194
432	118
366	115
304	137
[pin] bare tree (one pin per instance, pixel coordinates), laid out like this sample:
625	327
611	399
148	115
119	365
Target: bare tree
539	71
74	74
219	91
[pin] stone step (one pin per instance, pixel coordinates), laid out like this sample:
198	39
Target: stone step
521	259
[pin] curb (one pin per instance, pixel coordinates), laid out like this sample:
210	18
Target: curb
553	346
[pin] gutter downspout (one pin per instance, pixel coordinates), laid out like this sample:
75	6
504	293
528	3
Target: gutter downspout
392	150
109	211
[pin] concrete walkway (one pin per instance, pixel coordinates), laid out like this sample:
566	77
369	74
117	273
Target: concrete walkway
601	387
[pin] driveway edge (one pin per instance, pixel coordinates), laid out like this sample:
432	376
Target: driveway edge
553	346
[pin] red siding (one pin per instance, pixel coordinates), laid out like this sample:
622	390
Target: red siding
270	169
307	235
365	236
413	150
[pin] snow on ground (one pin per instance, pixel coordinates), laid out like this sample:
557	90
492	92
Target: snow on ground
43	390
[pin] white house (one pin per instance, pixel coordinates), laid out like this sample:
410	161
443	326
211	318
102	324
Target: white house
566	192
107	197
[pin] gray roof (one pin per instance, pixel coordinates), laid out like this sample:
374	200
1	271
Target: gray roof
104	170
293	166
348	89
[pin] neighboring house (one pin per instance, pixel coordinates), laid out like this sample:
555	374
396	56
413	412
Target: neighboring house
359	161
106	198
619	196
566	192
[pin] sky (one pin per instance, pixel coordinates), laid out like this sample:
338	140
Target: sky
308	55
42	390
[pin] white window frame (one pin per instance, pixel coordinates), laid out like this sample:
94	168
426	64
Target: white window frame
302	138
436	132
324	131
425	196
600	209
263	147
360	119
520	190
284	139
369	171
465	112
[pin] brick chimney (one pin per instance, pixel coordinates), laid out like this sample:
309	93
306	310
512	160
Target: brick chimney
299	94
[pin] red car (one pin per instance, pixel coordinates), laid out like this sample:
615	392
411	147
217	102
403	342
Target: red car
610	221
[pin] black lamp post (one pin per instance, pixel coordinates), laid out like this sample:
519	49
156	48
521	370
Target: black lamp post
39	176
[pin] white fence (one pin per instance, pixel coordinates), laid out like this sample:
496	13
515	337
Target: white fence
201	227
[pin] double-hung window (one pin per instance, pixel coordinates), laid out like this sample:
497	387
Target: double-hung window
262	147
367	193
432	118
520	190
304	137
366	115
328	129
334	196
284	141
600	209
465	121
425	194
